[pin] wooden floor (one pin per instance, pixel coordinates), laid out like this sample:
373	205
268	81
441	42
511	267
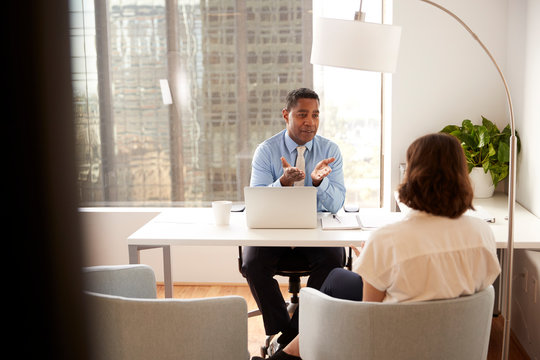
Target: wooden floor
256	335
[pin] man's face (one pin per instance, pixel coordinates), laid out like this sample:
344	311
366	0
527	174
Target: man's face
302	120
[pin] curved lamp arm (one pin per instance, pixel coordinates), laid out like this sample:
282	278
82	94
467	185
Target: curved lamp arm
511	186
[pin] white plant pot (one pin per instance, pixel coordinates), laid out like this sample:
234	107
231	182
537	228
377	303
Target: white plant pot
482	183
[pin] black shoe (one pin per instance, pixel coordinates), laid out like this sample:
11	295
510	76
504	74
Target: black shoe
274	347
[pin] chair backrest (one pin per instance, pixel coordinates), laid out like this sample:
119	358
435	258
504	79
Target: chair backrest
132	281
139	328
337	329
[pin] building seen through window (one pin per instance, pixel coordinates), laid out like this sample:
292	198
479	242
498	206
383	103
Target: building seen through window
229	65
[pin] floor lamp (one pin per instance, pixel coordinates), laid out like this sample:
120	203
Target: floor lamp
356	44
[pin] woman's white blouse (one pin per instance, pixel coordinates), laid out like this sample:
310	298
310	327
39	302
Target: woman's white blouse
427	257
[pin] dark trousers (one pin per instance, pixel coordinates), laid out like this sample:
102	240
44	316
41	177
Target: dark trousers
343	284
259	268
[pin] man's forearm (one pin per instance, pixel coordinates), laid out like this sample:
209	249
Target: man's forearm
331	195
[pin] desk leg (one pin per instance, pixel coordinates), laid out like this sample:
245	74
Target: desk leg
133	251
503	284
167	271
499	291
134	258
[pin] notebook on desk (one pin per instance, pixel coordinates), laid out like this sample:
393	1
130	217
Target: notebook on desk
281	207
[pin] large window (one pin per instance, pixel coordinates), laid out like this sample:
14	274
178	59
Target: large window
229	65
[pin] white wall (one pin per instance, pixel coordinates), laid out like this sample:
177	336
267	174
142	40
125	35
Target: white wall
443	76
523	73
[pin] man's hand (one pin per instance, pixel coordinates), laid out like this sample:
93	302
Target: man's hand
356	250
290	174
321	171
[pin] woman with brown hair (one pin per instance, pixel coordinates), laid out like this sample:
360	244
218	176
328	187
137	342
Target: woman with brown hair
435	252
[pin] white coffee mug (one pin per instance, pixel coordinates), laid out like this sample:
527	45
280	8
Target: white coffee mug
222	211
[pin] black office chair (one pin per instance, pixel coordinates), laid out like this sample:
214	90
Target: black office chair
294	268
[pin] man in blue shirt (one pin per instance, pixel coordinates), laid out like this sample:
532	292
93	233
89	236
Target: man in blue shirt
323	161
274	164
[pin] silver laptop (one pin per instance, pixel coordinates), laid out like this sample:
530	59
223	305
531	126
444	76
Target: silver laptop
281	207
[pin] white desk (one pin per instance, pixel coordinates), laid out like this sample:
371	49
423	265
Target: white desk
526	225
194	226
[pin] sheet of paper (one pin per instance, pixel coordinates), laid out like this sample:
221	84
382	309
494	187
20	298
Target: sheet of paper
340	222
481	213
375	218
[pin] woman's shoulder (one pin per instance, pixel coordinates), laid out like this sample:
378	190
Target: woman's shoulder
473	222
417	224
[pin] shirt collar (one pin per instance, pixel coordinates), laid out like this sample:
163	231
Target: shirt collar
291	145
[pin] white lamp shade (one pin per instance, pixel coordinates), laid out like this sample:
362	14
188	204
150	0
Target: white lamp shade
355	44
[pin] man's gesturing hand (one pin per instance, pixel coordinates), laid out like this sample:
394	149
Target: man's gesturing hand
290	174
321	171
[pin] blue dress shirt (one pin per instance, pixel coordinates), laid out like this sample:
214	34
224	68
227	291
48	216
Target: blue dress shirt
267	167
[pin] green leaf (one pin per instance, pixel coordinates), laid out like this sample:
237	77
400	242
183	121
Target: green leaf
491	127
450	128
473	158
503	173
503	155
482	136
460	136
494	178
485	165
498	172
492	150
467	126
505	135
468	140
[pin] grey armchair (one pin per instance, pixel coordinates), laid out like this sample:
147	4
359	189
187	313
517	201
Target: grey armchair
338	329
128	322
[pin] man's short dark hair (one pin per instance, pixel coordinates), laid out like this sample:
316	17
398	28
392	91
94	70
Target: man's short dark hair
295	95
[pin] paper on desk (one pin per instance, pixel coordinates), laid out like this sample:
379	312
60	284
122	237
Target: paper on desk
340	222
481	213
375	218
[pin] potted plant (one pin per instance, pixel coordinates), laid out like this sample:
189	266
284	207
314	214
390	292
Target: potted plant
487	151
